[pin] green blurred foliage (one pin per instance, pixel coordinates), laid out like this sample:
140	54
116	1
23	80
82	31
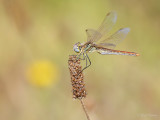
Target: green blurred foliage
119	87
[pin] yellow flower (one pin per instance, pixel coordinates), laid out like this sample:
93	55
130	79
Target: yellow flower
42	73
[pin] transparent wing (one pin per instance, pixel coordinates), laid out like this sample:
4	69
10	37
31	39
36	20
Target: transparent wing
93	35
107	23
115	39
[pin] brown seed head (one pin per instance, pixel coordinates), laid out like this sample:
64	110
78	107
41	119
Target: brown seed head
78	85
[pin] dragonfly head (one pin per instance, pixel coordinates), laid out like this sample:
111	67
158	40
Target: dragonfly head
77	47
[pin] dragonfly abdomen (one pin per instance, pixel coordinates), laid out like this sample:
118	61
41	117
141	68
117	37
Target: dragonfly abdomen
116	52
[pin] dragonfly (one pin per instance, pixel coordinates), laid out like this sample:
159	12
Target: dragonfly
98	42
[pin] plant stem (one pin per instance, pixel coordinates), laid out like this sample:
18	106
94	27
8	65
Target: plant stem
84	109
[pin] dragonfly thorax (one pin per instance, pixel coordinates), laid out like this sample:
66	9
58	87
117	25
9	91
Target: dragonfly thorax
78	47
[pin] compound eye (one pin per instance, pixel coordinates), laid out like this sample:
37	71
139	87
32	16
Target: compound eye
76	48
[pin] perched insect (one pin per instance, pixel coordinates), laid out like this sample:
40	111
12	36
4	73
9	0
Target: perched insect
105	46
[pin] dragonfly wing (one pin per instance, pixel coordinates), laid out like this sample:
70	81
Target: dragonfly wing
93	35
107	23
115	39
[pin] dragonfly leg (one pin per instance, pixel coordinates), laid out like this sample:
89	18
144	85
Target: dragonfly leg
84	57
78	56
86	62
87	59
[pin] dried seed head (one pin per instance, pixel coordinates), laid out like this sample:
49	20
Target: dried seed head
78	85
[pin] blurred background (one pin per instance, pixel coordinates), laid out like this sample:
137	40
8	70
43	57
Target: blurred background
36	38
